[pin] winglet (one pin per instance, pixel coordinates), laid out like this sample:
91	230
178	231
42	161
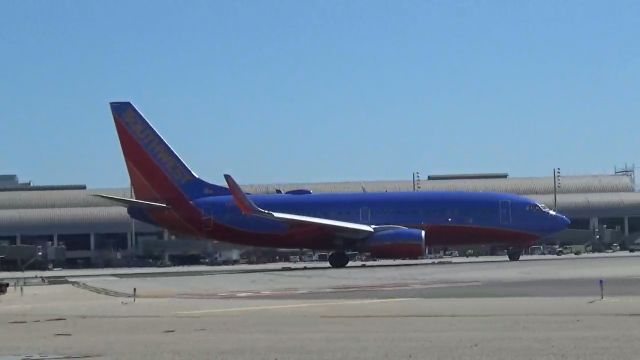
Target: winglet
247	207
242	201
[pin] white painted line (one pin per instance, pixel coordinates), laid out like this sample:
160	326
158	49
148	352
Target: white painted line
91	278
290	306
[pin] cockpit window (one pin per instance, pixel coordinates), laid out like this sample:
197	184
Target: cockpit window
538	207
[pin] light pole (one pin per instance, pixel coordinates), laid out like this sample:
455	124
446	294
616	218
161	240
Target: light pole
132	249
416	181
556	186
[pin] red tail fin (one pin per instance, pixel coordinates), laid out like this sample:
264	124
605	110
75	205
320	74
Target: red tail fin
157	173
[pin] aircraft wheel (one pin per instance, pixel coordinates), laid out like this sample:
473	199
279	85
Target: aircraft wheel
514	254
338	259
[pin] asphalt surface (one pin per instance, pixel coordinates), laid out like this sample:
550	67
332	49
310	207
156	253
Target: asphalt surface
286	266
536	309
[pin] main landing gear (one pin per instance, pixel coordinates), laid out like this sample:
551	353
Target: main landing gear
514	254
338	259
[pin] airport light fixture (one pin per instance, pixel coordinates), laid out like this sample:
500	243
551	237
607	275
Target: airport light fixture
556	186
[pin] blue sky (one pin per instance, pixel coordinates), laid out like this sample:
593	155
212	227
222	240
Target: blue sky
285	91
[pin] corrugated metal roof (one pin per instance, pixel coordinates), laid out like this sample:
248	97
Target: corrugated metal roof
68	221
115	218
50	199
76	211
525	185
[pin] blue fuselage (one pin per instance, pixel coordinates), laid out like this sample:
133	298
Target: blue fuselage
449	218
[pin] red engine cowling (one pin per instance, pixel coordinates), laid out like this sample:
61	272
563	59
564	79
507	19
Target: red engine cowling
396	243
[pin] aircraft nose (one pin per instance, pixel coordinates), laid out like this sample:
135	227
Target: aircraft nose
562	221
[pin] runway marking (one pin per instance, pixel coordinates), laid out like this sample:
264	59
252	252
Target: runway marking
334	289
290	306
91	278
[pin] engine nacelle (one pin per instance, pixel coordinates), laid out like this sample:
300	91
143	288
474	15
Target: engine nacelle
396	243
299	192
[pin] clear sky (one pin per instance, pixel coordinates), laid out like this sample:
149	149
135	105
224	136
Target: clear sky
285	91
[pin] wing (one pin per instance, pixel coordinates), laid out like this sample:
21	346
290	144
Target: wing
247	207
132	202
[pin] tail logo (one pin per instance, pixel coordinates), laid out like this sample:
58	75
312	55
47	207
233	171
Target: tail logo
156	147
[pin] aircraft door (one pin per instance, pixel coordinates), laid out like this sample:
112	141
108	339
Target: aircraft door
505	212
207	220
365	215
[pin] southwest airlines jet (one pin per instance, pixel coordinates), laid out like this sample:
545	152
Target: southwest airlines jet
387	225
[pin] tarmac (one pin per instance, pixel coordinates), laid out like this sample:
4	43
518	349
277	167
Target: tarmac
542	307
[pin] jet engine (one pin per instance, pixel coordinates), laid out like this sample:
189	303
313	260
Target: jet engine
396	243
299	192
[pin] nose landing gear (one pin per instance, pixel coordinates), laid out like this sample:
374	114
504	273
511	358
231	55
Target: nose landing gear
338	259
514	254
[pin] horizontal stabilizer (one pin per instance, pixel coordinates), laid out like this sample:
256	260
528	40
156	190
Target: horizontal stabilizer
133	202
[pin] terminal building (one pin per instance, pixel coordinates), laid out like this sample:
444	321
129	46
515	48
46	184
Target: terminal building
67	226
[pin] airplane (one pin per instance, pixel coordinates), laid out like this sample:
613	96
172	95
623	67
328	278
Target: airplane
392	225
